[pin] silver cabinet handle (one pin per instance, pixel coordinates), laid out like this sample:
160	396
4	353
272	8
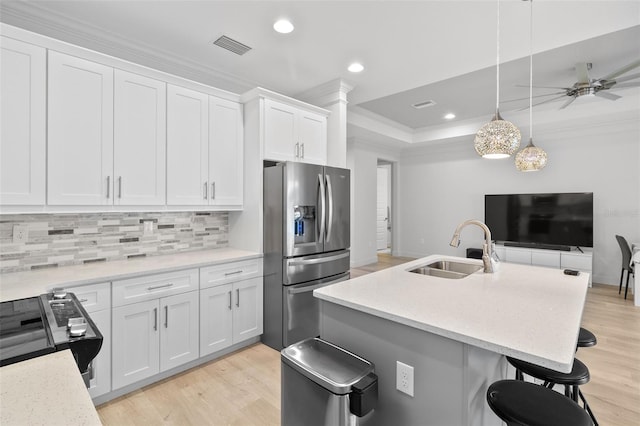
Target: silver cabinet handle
226	274
301	150
238	297
229	299
119	186
83	300
213	190
297	150
155	321
166	316
159	286
205	191
108	186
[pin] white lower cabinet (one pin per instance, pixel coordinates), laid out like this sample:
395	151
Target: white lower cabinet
155	325
154	336
230	313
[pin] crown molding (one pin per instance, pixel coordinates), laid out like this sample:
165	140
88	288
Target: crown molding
40	19
327	94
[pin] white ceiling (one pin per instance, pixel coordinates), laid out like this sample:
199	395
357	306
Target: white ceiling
412	50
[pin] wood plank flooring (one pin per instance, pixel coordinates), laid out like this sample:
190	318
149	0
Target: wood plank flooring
243	388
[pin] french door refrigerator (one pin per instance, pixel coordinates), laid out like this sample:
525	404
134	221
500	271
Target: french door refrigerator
306	245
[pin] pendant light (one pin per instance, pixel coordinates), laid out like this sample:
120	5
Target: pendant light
531	158
498	138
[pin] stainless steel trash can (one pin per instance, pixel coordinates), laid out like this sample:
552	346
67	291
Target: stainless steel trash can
323	384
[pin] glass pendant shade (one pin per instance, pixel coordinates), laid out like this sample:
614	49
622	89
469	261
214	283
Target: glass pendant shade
531	158
497	139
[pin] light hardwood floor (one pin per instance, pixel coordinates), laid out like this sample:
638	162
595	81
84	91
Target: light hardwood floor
243	388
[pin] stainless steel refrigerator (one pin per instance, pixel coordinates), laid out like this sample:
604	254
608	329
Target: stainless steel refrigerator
306	245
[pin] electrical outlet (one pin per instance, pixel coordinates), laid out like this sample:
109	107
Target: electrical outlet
404	378
20	233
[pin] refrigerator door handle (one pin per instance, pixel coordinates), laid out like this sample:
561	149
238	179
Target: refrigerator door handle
322	199
329	208
295	262
306	289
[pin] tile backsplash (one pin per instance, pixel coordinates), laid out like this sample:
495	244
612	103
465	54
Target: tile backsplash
72	239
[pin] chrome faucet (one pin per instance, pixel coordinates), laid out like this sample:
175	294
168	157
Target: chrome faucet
489	261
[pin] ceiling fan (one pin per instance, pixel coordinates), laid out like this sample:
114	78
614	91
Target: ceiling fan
586	86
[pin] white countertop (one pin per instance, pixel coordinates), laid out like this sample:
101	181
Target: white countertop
46	390
18	285
528	312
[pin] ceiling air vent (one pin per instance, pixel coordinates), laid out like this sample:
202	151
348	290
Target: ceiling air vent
232	45
423	104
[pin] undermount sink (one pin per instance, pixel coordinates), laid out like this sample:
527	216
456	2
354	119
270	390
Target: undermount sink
447	269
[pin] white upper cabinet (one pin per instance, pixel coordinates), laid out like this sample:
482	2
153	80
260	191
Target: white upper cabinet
187	146
139	140
293	134
204	150
225	153
80	129
23	117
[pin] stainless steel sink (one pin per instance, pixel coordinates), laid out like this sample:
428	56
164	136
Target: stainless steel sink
447	269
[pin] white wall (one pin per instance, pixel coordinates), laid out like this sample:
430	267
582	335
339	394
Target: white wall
440	186
362	159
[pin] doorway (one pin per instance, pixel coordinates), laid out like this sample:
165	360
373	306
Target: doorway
384	222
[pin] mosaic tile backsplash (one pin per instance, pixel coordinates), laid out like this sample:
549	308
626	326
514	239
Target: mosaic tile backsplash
72	239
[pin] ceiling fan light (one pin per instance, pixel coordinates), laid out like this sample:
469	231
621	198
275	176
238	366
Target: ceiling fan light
531	158
497	139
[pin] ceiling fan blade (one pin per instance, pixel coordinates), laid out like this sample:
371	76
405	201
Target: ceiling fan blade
543	87
626	68
536	96
632	84
608	95
566	104
543	102
582	72
627	77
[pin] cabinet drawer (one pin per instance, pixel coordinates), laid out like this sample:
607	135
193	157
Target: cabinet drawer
211	276
551	260
518	256
94	297
155	286
581	261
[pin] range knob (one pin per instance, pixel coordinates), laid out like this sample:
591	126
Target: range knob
59	293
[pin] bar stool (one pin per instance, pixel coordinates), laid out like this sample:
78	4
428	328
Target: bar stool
523	403
586	339
579	375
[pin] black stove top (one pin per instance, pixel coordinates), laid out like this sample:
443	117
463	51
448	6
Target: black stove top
23	333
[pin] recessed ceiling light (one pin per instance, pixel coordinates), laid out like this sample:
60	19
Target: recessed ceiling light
450	116
355	67
283	26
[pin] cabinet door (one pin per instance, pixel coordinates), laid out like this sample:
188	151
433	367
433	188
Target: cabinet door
23	69
225	153
179	330
187	146
135	343
312	136
216	316
80	132
280	131
247	311
139	140
100	382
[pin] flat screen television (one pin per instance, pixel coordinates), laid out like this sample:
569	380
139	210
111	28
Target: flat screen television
553	221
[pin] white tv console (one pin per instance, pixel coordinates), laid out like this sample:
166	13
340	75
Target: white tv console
550	258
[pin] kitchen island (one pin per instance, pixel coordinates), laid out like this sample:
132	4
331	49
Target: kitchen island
453	332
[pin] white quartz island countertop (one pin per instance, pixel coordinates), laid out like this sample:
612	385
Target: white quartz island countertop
527	312
18	285
43	391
